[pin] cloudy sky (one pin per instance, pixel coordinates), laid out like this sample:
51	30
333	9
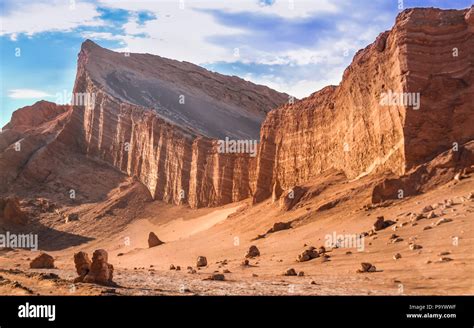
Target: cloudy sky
295	46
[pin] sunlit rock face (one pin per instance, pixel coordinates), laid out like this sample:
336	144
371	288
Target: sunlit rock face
404	99
161	120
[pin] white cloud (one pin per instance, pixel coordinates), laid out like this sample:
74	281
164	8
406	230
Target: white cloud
294	86
183	33
55	15
101	36
27	94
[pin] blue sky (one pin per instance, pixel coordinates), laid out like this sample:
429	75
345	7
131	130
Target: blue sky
295	46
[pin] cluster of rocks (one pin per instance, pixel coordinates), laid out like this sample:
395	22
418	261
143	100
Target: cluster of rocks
292	272
367	267
312	253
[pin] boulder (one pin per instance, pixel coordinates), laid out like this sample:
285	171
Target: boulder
153	240
252	252
42	261
201	261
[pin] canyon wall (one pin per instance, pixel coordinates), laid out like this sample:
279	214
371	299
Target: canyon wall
160	120
175	162
349	128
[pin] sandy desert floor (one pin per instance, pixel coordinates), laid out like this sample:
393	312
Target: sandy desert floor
224	235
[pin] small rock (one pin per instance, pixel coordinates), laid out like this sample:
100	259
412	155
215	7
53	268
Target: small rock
444	253
201	261
445	259
381	223
217	276
178	268
415	247
245	262
443	220
397	256
172	267
432	215
300	274
290	272
252	252
278	226
427	228
367	267
73	217
427	209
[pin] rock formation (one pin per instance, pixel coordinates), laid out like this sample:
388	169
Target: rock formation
160	120
349	126
100	271
404	101
82	264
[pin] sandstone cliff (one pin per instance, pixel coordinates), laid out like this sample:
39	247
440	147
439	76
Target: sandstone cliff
158	120
428	52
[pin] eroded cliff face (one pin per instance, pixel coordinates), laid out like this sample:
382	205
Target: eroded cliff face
349	128
159	120
30	131
176	162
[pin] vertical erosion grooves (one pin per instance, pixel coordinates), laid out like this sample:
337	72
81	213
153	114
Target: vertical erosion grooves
174	164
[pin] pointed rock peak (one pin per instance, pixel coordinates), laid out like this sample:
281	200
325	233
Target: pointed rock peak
90	45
